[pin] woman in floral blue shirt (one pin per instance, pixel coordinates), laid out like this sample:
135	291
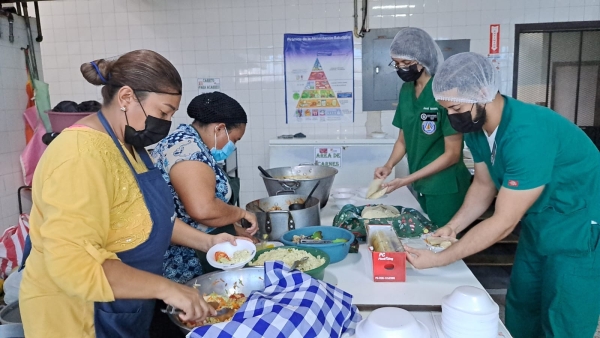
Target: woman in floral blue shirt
201	191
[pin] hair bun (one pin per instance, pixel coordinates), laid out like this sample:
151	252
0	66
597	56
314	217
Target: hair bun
92	76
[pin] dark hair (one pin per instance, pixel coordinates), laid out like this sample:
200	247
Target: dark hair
217	107
229	126
145	71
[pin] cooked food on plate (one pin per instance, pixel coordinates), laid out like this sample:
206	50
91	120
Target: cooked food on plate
238	256
288	256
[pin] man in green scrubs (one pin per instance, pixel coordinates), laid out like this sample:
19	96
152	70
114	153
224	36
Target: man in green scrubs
546	173
434	149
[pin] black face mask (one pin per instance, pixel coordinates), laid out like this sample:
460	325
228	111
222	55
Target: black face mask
155	130
410	74
463	122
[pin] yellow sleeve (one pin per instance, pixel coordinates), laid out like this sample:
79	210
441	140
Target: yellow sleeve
77	198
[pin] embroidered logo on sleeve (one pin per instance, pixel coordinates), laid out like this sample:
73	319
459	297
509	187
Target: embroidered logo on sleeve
513	183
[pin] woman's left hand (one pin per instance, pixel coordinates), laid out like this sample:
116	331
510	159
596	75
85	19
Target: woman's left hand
395	184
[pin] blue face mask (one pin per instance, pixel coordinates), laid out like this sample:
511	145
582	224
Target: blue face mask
222	154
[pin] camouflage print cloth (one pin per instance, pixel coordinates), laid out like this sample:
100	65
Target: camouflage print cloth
410	223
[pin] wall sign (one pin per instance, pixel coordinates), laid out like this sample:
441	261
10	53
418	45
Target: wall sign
319	77
494	39
209	85
329	157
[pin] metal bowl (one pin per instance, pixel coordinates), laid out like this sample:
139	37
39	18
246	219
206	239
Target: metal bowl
300	180
243	281
10	314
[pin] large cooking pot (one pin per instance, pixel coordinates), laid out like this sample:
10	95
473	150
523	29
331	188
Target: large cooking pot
243	281
300	180
275	223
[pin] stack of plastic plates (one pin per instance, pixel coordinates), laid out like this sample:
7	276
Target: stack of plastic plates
469	312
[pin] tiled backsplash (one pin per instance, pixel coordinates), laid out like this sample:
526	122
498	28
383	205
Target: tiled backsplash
241	42
13	100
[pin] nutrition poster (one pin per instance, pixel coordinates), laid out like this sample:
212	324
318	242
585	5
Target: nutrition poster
319	77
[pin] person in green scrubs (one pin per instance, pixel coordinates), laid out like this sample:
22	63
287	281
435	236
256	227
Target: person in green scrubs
434	149
545	172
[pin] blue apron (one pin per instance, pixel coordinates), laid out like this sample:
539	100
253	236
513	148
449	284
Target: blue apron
132	317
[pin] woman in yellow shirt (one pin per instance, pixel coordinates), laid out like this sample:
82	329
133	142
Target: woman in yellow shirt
103	217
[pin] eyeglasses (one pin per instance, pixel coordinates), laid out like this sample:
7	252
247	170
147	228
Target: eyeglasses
402	65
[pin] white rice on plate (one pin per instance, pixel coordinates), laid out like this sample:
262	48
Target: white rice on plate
238	257
288	257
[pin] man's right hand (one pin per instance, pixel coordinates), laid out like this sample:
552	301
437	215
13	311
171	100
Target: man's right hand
382	172
445	231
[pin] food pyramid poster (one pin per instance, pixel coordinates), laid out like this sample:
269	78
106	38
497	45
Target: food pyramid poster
319	77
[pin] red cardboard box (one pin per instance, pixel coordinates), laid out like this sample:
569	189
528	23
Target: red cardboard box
387	266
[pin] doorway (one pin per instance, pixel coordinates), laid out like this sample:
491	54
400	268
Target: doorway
557	65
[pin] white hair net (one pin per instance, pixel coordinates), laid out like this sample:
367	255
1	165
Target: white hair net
466	77
415	44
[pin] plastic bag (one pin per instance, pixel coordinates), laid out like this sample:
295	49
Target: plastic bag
410	223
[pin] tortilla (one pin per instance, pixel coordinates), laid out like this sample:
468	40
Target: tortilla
375	190
441	242
380	211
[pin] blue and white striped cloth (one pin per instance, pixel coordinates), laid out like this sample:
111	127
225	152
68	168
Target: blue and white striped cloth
293	305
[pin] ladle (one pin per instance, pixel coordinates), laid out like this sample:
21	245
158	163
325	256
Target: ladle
300	206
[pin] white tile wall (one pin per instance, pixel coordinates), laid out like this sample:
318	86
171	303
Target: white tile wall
241	42
13	101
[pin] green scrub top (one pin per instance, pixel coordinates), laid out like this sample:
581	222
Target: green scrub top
425	124
535	146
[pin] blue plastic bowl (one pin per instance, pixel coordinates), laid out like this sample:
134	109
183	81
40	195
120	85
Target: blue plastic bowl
336	251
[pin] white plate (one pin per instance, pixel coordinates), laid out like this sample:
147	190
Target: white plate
344	191
377	134
230	249
391	323
342	195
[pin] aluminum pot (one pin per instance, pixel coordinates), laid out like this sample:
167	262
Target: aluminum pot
10	314
226	283
300	180
275	223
